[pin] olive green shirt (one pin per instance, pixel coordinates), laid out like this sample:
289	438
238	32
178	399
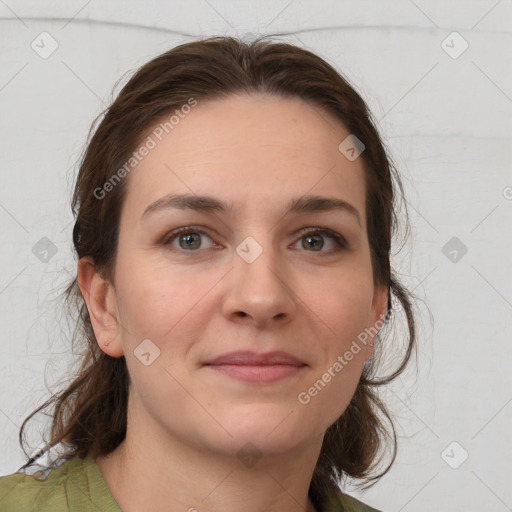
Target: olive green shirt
78	486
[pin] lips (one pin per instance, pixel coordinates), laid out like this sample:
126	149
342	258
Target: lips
257	368
245	358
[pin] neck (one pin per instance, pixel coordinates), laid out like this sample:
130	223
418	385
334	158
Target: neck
154	472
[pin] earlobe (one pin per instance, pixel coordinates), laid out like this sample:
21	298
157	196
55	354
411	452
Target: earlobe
378	315
100	298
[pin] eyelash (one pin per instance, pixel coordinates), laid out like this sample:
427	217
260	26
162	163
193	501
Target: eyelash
340	240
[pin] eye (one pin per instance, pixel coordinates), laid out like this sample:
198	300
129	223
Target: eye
313	238
188	238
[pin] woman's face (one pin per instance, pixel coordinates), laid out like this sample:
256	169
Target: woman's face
252	276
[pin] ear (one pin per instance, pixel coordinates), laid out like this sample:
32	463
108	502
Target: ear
377	317
99	295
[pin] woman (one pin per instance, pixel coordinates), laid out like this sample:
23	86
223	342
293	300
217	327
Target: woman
234	212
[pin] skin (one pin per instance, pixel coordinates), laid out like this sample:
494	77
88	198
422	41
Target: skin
186	422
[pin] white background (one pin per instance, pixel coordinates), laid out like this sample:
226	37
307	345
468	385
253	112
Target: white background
447	122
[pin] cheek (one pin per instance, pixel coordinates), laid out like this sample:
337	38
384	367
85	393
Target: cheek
164	307
342	305
342	314
170	308
155	301
341	351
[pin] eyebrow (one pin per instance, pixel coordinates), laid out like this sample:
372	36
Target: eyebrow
208	204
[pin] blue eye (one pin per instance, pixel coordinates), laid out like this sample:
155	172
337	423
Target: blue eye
314	239
190	239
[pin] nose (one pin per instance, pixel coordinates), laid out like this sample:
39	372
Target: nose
259	292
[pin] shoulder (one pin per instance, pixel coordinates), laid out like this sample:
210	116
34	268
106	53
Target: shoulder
75	485
346	503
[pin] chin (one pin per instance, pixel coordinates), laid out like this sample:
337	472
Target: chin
268	429
254	444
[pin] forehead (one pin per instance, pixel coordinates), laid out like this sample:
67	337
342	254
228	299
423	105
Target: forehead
254	149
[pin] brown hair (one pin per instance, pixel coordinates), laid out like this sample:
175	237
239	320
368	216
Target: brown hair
90	416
